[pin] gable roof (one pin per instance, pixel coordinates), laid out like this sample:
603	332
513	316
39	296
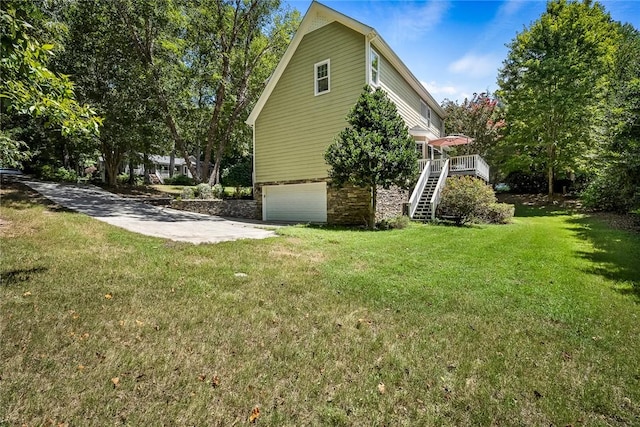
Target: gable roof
319	15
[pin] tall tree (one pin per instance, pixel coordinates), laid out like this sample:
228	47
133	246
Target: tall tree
101	58
480	118
375	150
28	87
552	82
617	182
207	62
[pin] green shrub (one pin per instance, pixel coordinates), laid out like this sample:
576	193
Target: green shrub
611	191
466	198
179	180
203	191
217	191
398	222
499	213
188	193
469	199
241	192
123	179
239	174
49	173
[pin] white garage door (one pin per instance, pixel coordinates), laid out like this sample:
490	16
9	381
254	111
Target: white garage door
295	202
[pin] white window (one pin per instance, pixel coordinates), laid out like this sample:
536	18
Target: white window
375	68
425	112
322	71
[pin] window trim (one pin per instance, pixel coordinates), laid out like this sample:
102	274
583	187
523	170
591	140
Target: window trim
317	65
371	81
428	110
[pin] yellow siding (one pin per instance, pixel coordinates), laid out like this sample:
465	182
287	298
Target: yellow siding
295	127
406	99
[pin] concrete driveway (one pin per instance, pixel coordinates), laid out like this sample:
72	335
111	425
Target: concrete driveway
146	219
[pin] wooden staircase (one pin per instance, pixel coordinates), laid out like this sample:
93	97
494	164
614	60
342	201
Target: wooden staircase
433	174
423	211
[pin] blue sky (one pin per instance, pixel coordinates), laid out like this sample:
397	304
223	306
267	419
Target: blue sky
455	47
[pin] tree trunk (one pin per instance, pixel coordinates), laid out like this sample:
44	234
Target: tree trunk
552	159
132	177
172	162
372	214
214	178
111	168
145	168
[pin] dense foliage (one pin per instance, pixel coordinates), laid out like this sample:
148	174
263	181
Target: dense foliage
34	99
467	199
168	77
375	150
481	118
552	83
206	64
617	183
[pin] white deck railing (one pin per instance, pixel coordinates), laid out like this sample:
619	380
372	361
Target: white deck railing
436	166
473	163
437	193
419	188
422	163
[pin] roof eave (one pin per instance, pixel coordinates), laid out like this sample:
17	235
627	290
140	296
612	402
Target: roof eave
355	25
293	46
395	60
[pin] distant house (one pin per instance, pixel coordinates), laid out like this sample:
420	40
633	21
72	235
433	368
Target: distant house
303	107
160	167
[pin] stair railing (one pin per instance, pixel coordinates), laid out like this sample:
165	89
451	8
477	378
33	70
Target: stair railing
437	192
419	188
482	167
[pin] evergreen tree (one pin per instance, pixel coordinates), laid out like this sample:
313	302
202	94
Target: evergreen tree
375	150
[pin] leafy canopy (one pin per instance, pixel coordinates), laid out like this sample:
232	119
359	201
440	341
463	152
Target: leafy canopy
551	83
28	87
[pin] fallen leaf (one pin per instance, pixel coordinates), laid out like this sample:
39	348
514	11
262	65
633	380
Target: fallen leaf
80	367
381	388
115	381
26	294
255	413
139	322
215	381
108	296
202	377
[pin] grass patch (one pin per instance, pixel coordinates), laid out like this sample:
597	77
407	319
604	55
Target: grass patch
526	324
173	190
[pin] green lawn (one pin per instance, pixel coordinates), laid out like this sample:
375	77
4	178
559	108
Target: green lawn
533	323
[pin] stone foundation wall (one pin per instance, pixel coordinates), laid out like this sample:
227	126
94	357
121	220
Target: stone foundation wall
349	205
389	203
232	208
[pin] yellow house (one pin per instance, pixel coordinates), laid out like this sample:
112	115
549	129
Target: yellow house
303	107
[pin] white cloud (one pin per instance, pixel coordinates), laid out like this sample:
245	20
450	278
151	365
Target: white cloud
412	21
446	91
509	8
435	89
476	65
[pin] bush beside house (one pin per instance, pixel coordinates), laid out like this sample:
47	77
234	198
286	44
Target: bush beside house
469	200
